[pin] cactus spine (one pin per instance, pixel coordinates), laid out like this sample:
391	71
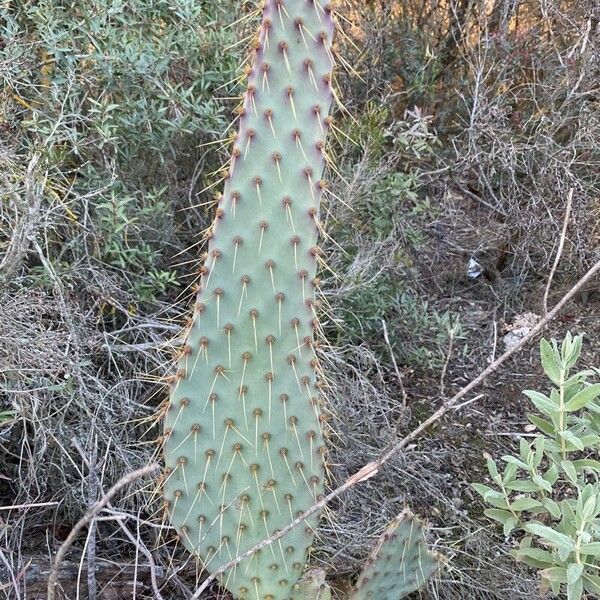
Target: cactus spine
399	564
243	440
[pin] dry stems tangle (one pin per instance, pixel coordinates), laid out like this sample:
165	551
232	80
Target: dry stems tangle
531	128
27	211
88	518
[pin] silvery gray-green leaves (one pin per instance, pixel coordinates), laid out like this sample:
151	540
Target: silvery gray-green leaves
547	494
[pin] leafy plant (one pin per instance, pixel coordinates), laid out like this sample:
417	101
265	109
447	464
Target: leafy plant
551	488
117	99
6	416
390	218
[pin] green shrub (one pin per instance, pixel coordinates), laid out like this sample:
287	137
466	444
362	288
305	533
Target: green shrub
118	99
389	215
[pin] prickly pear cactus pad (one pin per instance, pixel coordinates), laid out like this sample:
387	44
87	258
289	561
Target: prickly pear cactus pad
243	440
399	564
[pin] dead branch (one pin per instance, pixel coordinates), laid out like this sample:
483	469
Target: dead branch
559	252
26	226
89	515
116	581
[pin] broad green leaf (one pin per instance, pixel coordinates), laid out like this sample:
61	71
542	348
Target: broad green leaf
574	572
589	508
579	377
550	362
525	504
531	562
510	471
524	450
575	589
563	553
583	398
567	345
567	511
575	351
481	489
569	468
535	553
509	526
493	469
572	439
585	494
507	519
591	583
553	449
555	587
513	460
526	542
496	499
590	439
557	574
594	408
552	507
539	450
498	515
551	475
542	483
571	388
587	463
591	548
586	537
522	485
541	402
560	540
542	425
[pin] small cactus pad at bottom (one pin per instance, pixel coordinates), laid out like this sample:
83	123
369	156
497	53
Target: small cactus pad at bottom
399	564
312	586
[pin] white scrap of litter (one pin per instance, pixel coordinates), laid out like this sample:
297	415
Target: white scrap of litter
474	269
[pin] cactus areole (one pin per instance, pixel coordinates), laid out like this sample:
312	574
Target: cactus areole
243	440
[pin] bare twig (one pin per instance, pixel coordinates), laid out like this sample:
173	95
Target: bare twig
371	469
561	245
89	515
139	544
386	337
28	505
451	332
14	578
91	541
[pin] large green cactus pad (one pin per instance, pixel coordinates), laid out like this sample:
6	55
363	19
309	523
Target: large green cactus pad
399	564
244	446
